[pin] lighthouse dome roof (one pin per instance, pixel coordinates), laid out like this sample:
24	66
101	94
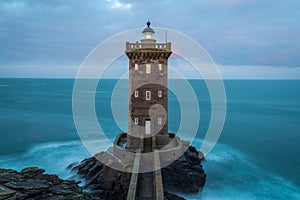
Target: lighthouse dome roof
148	28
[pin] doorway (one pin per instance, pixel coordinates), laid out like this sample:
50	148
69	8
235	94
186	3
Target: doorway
147	140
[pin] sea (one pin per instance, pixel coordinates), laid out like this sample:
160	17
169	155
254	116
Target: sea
256	157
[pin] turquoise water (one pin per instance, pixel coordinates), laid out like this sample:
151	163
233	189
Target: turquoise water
257	156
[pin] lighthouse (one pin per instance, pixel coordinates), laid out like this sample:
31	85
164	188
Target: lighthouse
148	92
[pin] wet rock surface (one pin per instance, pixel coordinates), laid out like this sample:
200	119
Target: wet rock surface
184	175
32	183
101	182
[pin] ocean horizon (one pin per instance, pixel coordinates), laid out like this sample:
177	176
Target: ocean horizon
256	157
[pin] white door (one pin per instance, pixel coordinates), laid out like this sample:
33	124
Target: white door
147	127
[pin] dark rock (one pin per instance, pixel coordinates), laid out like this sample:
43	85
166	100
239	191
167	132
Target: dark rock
193	150
60	189
32	183
170	196
7	175
32	170
12	171
72	165
30	186
6	193
184	175
101	182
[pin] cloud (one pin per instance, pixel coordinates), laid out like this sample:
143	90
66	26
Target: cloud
234	32
13	4
115	4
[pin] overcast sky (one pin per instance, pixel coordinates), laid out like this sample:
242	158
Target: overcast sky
50	38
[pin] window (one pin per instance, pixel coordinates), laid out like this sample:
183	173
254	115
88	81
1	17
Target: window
136	66
147	127
159	120
159	93
136	93
136	120
148	68
148	95
160	67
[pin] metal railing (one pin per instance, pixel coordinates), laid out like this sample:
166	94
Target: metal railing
137	45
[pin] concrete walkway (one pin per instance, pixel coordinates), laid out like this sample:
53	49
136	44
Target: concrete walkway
146	186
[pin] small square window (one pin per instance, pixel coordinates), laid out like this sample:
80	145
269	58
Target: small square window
159	93
159	120
160	67
148	95
136	120
136	93
148	68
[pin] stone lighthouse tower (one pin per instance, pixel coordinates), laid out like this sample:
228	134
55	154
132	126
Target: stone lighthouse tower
148	93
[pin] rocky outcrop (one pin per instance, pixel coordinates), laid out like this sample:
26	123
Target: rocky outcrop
169	196
32	183
184	175
101	182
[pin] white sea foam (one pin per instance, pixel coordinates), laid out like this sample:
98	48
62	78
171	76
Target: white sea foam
6	85
230	173
54	157
22	85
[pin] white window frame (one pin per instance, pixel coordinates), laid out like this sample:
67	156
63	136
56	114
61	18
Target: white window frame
159	93
147	127
148	95
159	67
148	68
136	120
136	67
136	93
159	121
